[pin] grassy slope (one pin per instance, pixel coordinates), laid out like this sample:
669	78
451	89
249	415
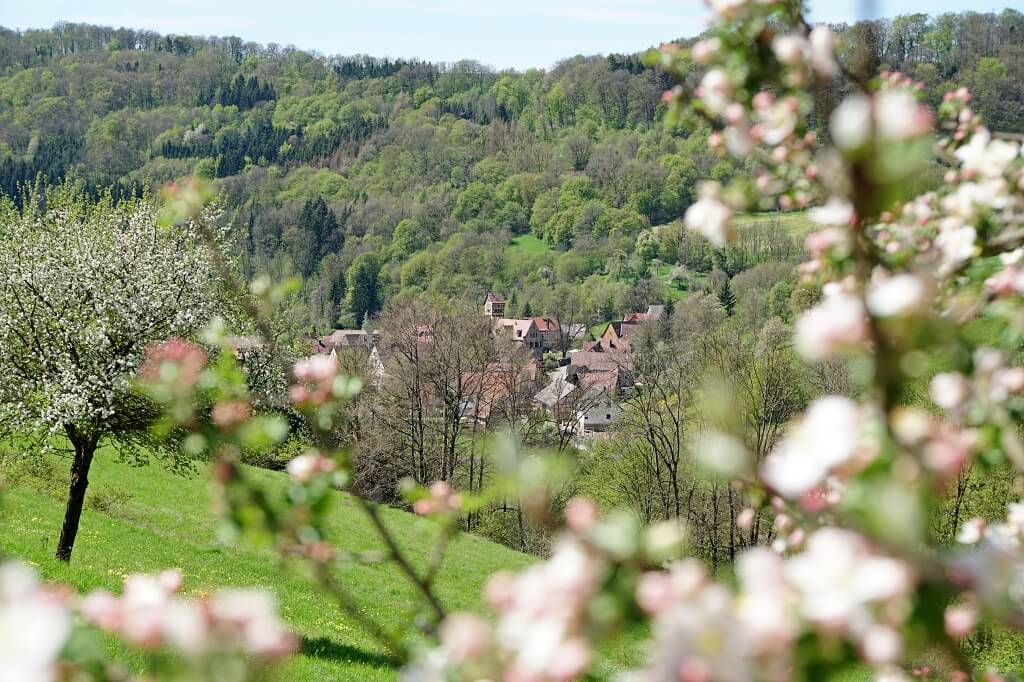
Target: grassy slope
167	522
797	223
527	244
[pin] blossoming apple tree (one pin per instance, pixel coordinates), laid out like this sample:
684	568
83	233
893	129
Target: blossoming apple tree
84	288
856	575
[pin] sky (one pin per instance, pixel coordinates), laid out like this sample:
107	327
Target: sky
501	33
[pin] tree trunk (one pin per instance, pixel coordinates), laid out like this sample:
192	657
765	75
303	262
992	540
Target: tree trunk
85	447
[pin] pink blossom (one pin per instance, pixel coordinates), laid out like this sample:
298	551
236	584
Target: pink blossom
465	636
654	591
837	323
175	359
318	368
715	91
882	644
103	609
948	450
572	660
33	626
185	627
838	576
959	621
500	589
727	9
1007	281
703	51
745	519
230	413
821	242
305	467
580	513
791	49
899	116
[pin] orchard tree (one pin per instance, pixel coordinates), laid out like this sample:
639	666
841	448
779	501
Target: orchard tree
85	287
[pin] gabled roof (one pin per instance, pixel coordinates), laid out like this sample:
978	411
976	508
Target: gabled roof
494	298
555	392
653	312
519	328
622	329
545	324
600	381
344	337
600	362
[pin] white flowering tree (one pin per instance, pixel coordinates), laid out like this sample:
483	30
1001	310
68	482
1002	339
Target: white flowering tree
84	288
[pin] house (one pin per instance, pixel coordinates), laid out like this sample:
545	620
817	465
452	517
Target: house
599	412
496	385
616	335
576	394
494	305
556	398
344	338
598	346
654	312
617	366
522	332
549	331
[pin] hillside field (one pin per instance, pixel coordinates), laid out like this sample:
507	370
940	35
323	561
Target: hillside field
146	518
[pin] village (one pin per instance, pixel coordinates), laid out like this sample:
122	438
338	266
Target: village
541	368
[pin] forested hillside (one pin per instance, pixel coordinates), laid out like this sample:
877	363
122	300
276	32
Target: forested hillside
376	178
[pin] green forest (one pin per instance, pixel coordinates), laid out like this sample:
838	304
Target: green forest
374	179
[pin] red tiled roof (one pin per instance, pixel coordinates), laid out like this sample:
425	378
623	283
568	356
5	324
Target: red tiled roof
602	362
545	324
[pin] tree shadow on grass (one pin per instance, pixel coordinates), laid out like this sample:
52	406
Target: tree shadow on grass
322	647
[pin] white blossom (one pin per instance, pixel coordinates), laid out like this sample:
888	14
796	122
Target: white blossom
956	244
837	323
836	212
716	91
949	390
823	51
34	626
709	216
83	290
851	122
824	440
838	578
987	157
790	48
899	116
897	295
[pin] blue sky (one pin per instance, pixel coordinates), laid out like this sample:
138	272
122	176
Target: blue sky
502	33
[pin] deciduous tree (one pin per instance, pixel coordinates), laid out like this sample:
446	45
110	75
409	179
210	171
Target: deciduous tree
84	289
